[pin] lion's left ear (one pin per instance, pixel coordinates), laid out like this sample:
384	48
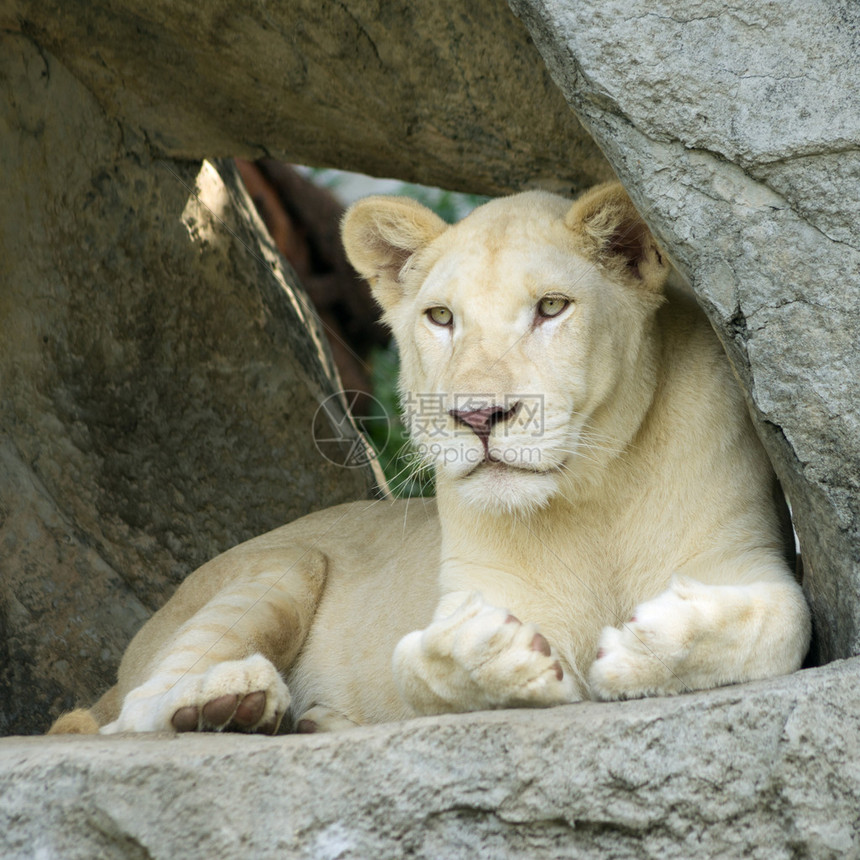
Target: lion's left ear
381	235
614	236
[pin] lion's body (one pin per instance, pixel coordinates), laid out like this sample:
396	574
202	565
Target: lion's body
640	488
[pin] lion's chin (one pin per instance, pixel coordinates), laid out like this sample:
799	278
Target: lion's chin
500	489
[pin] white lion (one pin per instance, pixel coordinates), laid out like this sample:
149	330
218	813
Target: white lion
605	525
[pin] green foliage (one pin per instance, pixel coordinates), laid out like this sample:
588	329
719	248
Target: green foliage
406	475
450	206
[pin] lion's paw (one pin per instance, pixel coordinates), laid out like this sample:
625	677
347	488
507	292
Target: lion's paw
238	695
477	658
647	655
322	719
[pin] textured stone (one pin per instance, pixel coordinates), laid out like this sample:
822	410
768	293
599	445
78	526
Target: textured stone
160	376
434	91
736	128
768	770
303	220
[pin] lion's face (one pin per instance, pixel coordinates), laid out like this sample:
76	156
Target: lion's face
517	330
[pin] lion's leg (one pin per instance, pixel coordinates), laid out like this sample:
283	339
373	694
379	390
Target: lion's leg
695	636
475	656
220	668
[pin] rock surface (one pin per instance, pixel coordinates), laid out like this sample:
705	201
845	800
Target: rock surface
736	127
303	220
160	376
769	770
434	91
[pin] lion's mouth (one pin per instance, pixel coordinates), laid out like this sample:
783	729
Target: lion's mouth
489	464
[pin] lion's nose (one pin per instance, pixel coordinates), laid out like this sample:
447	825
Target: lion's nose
481	421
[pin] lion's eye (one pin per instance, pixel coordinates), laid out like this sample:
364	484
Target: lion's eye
440	316
551	306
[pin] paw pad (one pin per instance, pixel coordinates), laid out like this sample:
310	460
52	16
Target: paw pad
306	727
539	643
186	719
250	710
218	711
225	712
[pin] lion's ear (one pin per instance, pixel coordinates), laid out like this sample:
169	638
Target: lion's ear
613	235
381	235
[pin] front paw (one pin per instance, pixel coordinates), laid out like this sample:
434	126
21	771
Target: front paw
237	695
479	657
647	655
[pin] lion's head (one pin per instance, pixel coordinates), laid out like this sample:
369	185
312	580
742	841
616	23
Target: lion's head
525	333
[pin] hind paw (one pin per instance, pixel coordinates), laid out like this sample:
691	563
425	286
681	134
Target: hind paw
238	695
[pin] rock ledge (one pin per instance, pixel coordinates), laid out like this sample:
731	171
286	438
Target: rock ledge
766	770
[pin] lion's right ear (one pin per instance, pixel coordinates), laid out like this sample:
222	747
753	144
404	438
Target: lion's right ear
381	235
614	235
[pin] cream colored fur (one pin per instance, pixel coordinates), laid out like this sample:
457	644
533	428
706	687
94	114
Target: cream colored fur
616	536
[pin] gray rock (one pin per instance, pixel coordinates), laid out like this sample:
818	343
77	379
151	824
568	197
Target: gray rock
160	376
434	91
736	127
768	770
